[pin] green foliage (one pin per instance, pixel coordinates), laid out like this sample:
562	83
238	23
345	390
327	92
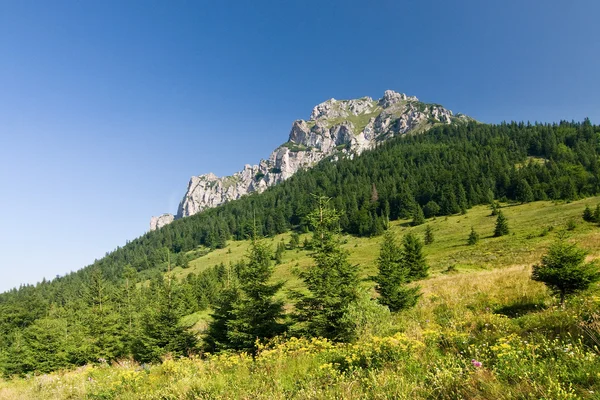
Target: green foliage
413	259
278	256
161	332
418	218
332	281
394	276
428	238
588	214
431	209
473	237
501	228
294	240
523	192
563	270
256	315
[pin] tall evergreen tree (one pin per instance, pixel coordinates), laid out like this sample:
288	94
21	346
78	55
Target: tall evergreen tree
418	218
332	281
394	276
428	238
413	259
501	228
257	315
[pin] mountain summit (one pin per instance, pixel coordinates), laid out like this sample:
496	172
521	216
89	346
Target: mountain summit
335	128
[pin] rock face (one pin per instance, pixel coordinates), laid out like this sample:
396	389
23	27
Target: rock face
160	221
335	128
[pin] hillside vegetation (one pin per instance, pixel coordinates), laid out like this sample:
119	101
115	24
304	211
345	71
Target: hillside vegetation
479	304
198	311
482	329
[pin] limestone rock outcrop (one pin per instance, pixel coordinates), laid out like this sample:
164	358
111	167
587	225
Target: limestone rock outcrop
336	128
160	221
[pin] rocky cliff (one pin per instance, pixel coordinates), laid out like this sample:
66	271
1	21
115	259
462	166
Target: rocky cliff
335	127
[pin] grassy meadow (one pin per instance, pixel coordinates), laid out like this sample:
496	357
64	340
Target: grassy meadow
481	330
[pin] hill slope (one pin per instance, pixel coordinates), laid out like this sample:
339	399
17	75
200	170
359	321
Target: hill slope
338	128
484	330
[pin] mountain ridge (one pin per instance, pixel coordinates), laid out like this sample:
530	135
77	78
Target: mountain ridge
339	128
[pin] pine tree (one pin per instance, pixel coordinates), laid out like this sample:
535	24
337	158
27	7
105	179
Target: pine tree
257	315
393	277
428	239
280	249
332	281
217	338
431	209
413	259
161	332
597	214
588	215
418	218
523	192
294	240
473	237
563	270
495	207
501	225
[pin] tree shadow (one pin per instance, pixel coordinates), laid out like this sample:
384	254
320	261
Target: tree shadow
520	308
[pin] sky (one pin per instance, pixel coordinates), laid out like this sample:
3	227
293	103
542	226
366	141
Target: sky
108	107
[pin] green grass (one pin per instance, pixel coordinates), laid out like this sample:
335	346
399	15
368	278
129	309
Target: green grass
488	310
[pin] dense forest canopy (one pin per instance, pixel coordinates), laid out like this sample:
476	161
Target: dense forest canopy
100	313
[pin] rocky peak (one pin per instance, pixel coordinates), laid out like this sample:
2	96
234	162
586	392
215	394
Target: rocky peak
336	128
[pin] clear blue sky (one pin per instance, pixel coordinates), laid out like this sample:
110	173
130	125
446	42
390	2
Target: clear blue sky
108	107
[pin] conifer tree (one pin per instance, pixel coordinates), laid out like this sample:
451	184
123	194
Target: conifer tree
217	337
563	271
523	192
161	332
501	225
294	240
280	249
588	214
418	217
393	277
412	257
332	281
473	237
431	209
429	238
256	315
597	214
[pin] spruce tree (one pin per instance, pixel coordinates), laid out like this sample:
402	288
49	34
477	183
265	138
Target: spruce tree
256	315
473	237
393	277
523	192
279	250
501	225
563	270
332	282
217	338
428	238
588	215
597	214
294	240
418	217
161	332
412	257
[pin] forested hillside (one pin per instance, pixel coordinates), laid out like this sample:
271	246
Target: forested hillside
123	306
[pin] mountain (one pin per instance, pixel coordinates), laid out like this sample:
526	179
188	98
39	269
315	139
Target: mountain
338	128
